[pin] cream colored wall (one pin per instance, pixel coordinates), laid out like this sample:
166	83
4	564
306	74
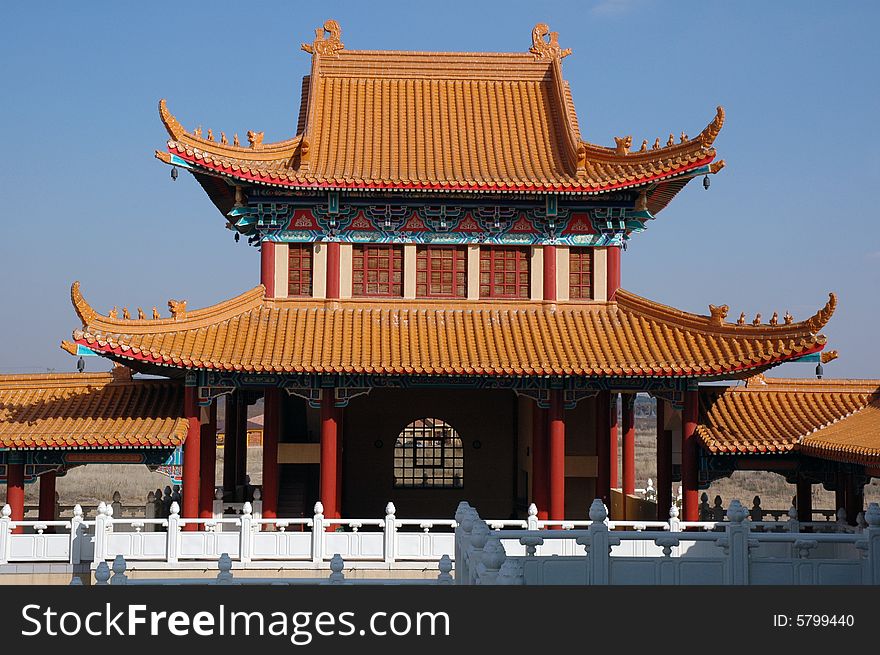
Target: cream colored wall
409	270
345	264
473	272
562	268
600	274
536	272
282	266
319	270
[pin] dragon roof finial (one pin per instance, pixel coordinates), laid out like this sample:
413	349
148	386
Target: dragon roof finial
326	45
545	44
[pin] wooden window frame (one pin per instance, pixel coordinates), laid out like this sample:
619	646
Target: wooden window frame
300	260
576	289
361	288
426	260
439	465
523	265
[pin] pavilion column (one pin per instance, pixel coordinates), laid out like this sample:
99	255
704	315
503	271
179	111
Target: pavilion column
267	267
629	448
664	463
47	496
332	270
557	455
540	465
690	494
230	446
241	445
613	276
271	435
15	492
208	464
191	457
804	499
603	470
612	446
329	436
549	272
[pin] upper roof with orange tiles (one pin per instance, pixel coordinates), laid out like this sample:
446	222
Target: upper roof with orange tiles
440	121
832	419
90	410
631	336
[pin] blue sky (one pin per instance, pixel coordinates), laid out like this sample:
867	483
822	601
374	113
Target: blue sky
790	218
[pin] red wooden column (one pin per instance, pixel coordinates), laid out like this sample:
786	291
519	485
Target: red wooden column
629	447
47	496
690	494
557	455
230	445
549	272
271	435
664	463
241	444
208	463
612	446
613	275
540	465
329	437
332	270
191	457
804	499
603	466
267	267
15	493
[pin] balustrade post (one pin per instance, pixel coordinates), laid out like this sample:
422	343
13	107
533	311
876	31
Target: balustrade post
119	566
674	522
173	539
460	511
793	524
337	564
737	544
445	566
102	573
598	544
217	507
479	536
224	566
510	573
390	533
463	539
257	505
318	533
532	521
100	532
5	533
492	559
246	536
872	536
76	535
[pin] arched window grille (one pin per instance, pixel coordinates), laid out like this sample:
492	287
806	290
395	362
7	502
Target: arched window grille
428	455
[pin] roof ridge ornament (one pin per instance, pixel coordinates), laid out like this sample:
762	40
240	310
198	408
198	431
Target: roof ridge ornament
707	136
821	318
329	45
545	44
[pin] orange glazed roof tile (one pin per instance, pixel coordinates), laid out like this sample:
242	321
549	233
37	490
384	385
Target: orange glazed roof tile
831	419
631	336
89	410
439	121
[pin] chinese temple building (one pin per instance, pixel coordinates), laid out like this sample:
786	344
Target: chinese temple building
439	313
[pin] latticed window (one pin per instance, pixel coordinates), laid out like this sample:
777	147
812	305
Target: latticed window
428	454
299	276
580	273
504	272
377	270
441	272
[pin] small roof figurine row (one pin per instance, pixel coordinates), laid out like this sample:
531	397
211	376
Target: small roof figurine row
176	307
623	144
774	320
255	139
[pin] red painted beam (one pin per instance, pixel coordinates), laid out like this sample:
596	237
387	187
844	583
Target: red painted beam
47	496
613	466
332	269
267	267
690	493
613	275
208	463
15	493
629	448
191	457
271	434
540	465
329	436
557	455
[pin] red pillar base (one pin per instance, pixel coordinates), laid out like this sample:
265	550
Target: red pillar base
690	493
15	493
191	458
329	436
271	432
557	456
47	496
208	463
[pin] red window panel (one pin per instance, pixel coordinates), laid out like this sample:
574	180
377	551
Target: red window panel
580	273
441	272
504	272
299	266
377	270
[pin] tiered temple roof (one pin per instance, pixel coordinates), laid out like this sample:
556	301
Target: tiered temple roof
832	419
428	121
89	410
629	336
